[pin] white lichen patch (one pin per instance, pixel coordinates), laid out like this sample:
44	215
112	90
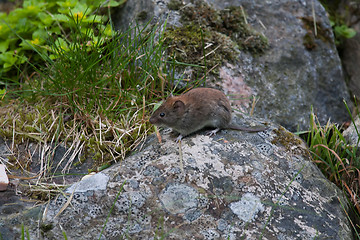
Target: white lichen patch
177	198
247	208
96	182
202	157
310	231
210	234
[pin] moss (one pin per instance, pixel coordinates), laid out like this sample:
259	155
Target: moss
234	26
210	37
186	43
230	21
201	14
309	41
97	156
46	227
322	33
175	5
285	138
44	192
194	45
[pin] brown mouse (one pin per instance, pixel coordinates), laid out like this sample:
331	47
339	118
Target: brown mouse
194	110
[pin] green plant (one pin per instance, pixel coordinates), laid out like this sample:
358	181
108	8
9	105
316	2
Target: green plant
339	15
92	94
93	97
338	160
104	88
23	232
24	31
342	31
2	93
324	142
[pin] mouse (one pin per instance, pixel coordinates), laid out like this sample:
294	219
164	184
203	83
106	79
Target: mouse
195	110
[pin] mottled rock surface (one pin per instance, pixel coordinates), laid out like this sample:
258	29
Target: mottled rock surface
300	68
351	134
236	185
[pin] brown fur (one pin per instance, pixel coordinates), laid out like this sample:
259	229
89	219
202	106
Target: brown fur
194	110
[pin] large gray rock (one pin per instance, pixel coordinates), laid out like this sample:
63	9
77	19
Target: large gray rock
351	59
350	48
297	70
236	185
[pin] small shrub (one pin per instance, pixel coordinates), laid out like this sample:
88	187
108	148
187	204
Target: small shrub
24	31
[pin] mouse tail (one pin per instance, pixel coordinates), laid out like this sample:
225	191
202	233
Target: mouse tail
247	129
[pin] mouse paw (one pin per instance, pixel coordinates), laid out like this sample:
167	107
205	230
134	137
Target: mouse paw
213	132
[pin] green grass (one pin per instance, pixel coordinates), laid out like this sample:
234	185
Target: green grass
93	95
339	161
89	75
96	93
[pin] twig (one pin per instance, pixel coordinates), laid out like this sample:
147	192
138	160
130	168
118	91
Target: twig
243	13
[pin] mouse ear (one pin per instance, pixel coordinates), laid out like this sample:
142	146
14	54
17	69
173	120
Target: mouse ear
178	105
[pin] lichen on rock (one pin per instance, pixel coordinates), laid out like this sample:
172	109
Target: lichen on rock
230	187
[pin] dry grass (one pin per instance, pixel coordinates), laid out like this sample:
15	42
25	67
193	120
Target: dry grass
34	131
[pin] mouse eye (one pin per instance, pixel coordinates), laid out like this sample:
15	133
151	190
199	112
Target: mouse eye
162	114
